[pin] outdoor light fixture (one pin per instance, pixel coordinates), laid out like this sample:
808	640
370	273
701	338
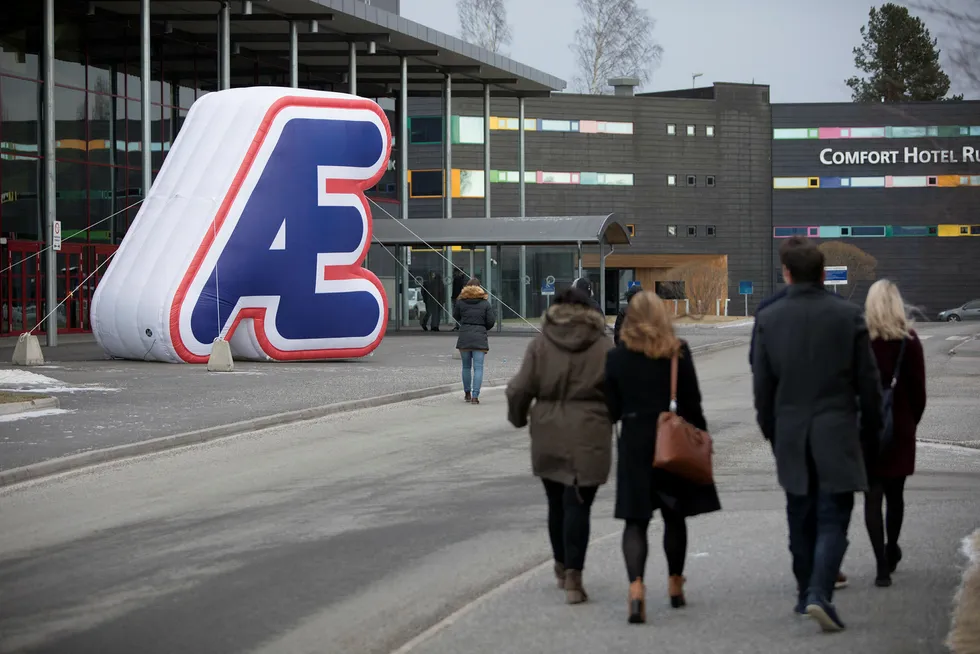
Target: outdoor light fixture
694	77
236	49
168	27
314	27
246	7
91	9
372	47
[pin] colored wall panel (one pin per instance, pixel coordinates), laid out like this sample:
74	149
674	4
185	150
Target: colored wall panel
789	182
829	232
892	132
949	230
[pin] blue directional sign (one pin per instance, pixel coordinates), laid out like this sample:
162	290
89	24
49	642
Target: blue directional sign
632	285
745	288
835	275
547	289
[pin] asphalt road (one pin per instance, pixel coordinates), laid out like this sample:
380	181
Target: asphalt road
111	402
356	533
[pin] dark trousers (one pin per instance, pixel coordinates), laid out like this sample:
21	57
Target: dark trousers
569	509
818	523
431	317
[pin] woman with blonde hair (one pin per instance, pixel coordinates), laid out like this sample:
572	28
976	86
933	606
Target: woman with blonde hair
901	365
637	392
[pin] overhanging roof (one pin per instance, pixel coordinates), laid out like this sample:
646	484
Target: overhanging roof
539	230
263	37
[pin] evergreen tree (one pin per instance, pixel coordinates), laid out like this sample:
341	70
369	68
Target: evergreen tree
899	58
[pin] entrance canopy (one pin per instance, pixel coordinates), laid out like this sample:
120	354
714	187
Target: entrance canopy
539	230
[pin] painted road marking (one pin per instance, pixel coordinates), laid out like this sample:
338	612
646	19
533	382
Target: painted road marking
957	338
925	337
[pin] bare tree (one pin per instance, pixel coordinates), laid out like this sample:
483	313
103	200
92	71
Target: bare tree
615	40
961	37
861	266
704	284
484	23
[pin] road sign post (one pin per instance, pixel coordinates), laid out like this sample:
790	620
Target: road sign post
745	290
548	288
835	276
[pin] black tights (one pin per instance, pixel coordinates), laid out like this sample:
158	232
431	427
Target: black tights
892	491
635	544
569	509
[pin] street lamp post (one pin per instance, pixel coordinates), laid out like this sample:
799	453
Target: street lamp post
694	78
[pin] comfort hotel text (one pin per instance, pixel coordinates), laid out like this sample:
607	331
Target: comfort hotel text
831	157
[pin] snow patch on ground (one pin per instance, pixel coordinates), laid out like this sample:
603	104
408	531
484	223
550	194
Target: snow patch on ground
40	413
15	379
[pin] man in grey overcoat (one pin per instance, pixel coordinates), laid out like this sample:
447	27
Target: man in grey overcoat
818	401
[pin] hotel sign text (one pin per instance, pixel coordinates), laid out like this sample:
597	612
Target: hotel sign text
831	157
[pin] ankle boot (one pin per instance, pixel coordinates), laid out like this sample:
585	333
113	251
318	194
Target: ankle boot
675	588
894	555
574	592
560	574
637	603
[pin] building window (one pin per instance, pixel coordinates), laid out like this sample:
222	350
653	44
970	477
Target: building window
424	130
671	129
426	184
692	230
709	130
631	229
671	180
709	230
692	180
690	130
709	180
671	230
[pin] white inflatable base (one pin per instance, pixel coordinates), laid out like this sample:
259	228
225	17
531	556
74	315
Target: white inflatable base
27	352
220	359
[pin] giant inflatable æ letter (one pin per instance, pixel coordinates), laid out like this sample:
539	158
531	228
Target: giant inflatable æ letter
254	231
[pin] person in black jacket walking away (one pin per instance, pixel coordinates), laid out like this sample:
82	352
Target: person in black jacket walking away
814	374
434	291
475	317
637	392
459	281
583	284
621	316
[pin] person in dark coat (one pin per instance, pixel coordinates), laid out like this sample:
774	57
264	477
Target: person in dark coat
583	284
435	291
459	281
637	392
813	375
561	387
630	293
888	327
475	317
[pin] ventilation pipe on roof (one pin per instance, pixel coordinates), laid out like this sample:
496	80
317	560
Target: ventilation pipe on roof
623	86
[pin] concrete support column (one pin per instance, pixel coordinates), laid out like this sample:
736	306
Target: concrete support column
146	159
448	182
293	55
50	188
225	46
487	281
403	175
521	197
352	70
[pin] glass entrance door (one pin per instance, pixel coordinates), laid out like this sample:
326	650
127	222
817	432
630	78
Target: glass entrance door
20	286
71	271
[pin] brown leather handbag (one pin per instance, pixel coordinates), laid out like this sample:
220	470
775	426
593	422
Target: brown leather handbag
682	449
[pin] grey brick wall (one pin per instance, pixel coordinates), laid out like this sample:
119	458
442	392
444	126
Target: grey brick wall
934	273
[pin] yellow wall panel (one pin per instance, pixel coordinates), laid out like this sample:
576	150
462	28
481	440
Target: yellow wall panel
950	230
948	180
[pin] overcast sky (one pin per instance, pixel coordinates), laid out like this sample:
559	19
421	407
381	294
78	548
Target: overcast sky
802	49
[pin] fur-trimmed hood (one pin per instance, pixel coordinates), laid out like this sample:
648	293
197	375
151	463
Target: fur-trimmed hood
473	293
573	327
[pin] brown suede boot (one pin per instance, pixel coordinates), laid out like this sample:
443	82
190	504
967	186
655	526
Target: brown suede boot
675	588
574	592
560	575
637	603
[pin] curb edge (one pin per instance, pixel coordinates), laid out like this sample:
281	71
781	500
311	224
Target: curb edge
82	460
14	408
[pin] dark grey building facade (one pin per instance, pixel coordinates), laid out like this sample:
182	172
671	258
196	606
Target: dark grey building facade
900	182
690	171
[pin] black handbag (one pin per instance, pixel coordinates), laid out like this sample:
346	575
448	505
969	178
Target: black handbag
886	439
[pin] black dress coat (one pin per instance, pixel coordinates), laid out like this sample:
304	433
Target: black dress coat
637	392
817	390
908	403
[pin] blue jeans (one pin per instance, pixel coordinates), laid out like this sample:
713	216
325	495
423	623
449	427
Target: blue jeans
818	524
472	371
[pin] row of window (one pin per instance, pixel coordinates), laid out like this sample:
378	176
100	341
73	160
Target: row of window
472	183
692	230
692	130
692	180
877	181
876	231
